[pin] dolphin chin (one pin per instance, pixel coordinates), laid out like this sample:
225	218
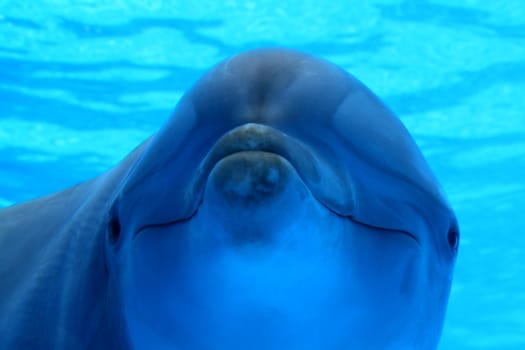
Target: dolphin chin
298	277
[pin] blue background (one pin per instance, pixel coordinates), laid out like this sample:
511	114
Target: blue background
81	85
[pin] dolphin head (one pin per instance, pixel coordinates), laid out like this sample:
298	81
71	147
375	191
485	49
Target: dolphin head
281	206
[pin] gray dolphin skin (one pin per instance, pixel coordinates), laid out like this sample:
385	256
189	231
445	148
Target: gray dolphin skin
282	206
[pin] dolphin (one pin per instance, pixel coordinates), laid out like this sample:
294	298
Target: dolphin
282	206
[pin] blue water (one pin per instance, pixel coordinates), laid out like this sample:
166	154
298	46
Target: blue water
81	85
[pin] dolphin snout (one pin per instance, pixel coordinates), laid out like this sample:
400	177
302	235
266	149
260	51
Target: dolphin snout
250	177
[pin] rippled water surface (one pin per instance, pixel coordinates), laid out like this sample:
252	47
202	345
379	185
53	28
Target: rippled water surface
82	84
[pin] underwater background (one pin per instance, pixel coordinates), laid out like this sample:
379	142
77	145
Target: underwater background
82	83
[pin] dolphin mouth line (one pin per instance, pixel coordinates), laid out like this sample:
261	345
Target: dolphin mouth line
386	229
195	211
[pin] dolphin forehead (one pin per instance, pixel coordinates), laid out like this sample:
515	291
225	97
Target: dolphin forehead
275	87
308	99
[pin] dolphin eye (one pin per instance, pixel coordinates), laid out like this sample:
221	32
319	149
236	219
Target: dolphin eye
114	230
453	239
